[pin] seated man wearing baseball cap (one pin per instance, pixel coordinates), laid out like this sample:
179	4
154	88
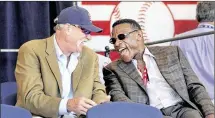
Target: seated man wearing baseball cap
58	76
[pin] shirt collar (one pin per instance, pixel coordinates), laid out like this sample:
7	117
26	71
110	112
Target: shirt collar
59	53
146	53
204	24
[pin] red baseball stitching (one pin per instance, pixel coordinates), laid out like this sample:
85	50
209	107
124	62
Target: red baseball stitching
142	17
117	13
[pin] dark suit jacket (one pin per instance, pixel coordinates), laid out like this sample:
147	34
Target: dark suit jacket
123	81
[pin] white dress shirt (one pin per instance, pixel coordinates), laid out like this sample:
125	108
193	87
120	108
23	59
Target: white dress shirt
103	61
161	95
66	77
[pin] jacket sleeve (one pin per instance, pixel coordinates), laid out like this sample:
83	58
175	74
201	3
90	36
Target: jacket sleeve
196	90
99	92
113	86
30	85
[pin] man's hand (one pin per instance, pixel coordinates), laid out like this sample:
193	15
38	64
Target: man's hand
210	116
80	105
107	99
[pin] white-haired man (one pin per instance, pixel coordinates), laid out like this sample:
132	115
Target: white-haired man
58	76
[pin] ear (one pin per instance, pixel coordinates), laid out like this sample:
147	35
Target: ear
139	35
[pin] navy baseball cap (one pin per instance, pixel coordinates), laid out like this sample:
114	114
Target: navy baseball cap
77	16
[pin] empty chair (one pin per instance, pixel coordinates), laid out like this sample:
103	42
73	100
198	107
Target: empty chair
8	111
123	110
8	93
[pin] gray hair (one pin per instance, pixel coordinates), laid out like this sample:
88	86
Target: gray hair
58	27
55	20
134	24
205	11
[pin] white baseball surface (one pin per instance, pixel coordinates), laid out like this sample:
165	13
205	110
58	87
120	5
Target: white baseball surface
154	17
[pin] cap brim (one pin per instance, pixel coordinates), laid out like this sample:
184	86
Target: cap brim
92	28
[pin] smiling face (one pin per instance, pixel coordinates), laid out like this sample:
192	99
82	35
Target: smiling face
75	38
129	46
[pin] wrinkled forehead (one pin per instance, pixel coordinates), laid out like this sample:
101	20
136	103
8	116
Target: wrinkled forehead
120	29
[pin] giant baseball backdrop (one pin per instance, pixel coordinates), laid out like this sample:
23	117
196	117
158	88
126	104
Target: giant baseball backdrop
158	20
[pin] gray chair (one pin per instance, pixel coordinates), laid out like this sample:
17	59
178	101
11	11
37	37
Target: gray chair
123	110
8	111
8	93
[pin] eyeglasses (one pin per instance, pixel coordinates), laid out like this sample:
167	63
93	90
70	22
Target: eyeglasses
86	32
121	37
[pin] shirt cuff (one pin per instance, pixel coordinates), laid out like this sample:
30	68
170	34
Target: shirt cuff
63	107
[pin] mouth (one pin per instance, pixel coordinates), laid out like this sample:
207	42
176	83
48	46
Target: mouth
121	50
83	41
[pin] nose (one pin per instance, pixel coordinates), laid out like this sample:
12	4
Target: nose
88	36
117	43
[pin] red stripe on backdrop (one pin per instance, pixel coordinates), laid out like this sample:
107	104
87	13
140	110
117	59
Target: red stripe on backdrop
100	2
184	25
116	2
105	25
180	2
180	26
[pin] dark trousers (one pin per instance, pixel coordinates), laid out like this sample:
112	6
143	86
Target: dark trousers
180	110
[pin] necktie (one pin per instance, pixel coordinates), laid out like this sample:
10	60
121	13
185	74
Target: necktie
144	73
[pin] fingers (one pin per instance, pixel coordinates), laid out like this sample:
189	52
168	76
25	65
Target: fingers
83	110
87	106
108	97
80	105
90	102
83	104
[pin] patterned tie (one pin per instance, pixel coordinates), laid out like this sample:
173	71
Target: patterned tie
144	72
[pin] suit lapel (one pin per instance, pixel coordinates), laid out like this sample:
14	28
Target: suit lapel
131	71
52	61
76	75
161	59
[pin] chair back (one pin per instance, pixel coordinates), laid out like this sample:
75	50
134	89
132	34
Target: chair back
8	111
8	93
123	110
